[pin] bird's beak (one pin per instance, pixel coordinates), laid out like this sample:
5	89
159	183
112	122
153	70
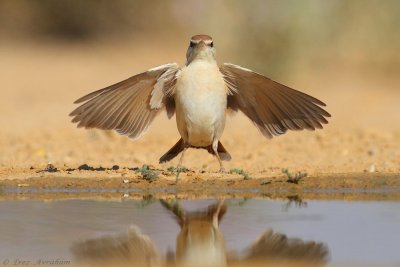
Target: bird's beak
202	45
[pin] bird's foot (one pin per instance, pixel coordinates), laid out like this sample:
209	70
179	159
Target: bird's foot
222	170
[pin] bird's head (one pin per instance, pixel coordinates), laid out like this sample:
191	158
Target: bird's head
200	47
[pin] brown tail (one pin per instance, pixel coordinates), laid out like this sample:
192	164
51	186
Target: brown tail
223	154
173	152
179	146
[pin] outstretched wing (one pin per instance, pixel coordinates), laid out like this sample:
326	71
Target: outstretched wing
272	246
131	249
272	107
129	106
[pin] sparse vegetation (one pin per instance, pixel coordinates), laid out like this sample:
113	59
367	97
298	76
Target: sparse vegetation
178	169
296	178
245	175
147	173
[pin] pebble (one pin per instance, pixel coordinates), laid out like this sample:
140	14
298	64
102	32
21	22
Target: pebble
371	152
372	168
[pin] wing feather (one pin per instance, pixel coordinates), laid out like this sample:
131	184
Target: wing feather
274	108
131	105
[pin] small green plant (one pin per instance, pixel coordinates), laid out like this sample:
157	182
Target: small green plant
245	175
147	173
178	169
295	179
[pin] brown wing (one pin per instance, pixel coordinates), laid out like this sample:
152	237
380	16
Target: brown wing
131	105
272	107
131	249
272	246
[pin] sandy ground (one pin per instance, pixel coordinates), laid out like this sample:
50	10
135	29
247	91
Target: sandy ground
40	83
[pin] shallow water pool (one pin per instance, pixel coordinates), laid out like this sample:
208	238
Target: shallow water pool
334	233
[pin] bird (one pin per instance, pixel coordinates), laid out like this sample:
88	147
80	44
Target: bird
201	94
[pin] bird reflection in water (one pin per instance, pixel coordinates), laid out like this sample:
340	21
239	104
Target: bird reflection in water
199	243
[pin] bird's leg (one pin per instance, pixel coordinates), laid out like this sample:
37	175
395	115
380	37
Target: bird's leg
179	167
181	159
215	149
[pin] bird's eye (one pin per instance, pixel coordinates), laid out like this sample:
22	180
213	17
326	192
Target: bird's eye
192	44
211	44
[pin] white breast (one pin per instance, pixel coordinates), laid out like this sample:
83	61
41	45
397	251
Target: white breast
200	99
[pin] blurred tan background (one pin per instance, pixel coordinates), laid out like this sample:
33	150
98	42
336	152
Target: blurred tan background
345	53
